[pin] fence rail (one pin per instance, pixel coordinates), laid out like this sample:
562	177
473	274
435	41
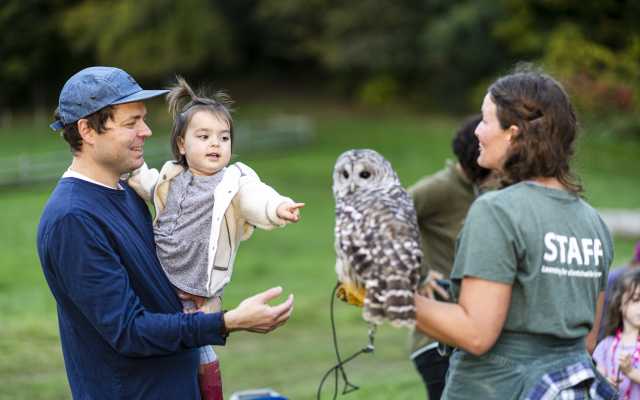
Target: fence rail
275	133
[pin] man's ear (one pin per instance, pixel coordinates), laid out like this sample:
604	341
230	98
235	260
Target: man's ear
87	133
513	131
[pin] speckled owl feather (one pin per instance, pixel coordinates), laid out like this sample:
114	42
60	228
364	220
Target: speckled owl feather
377	236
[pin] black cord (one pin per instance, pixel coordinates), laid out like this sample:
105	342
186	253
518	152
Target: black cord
348	386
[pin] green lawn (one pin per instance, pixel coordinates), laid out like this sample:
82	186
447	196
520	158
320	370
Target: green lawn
299	257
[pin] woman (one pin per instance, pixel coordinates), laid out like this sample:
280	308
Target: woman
532	258
442	201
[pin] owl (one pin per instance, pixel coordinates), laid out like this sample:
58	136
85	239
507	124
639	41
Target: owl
376	238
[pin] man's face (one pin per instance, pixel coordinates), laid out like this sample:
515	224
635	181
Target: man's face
119	148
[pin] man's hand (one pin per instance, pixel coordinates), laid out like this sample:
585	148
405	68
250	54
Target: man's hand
431	287
255	315
289	211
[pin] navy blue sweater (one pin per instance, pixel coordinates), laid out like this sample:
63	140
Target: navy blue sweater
122	330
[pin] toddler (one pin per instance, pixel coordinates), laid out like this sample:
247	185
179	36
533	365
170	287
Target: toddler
205	207
617	356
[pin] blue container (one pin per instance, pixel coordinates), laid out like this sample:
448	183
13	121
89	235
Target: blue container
257	394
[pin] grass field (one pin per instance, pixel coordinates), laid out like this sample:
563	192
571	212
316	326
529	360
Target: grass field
300	258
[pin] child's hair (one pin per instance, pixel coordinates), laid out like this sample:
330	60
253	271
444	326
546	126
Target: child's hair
625	289
184	103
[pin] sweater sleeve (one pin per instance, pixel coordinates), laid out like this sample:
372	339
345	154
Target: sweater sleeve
258	202
426	196
143	180
90	274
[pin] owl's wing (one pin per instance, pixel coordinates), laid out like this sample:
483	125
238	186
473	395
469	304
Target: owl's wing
383	250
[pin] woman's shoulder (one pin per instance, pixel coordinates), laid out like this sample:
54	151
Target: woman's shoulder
528	192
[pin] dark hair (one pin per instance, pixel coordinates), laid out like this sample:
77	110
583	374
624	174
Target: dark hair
539	106
628	283
97	121
465	147
184	103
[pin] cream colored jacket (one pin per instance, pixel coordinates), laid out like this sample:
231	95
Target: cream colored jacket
242	202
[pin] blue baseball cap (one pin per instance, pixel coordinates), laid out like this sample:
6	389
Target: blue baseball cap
95	88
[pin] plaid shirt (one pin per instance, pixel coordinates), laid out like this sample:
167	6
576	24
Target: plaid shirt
574	382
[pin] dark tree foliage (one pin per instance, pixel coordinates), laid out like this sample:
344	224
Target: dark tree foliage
438	53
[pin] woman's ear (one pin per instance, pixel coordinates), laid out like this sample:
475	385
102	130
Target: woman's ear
513	131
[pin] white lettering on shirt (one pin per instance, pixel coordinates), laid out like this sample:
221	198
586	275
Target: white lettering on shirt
587	250
552	251
574	252
597	250
571	250
562	241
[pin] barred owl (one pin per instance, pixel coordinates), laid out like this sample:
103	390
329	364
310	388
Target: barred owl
377	238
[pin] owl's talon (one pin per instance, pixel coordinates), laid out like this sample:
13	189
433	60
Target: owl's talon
350	294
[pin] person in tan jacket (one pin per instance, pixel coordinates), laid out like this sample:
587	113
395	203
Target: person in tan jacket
204	208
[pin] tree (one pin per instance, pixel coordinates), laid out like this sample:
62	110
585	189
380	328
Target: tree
151	39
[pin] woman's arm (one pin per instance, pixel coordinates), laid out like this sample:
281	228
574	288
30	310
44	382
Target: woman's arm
592	337
473	324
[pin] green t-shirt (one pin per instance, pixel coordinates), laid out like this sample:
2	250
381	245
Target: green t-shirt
550	245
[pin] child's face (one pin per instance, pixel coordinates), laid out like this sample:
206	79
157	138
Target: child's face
206	143
631	309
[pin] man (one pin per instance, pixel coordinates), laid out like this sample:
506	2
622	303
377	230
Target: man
122	330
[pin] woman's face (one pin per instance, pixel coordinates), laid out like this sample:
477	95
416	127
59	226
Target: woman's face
493	140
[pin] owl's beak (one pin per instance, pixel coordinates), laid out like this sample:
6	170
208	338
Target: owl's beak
352	187
351	294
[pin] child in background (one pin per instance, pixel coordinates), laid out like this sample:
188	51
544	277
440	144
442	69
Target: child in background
204	208
617	356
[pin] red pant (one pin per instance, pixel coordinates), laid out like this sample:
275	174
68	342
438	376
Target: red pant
210	381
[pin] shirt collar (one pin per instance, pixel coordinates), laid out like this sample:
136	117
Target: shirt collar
69	173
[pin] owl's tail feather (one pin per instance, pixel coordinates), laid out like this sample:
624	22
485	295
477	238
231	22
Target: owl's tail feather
390	300
398	302
373	311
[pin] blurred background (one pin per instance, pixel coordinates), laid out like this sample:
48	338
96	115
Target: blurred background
311	78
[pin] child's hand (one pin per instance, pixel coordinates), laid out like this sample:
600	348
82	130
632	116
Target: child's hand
198	301
613	380
289	211
625	364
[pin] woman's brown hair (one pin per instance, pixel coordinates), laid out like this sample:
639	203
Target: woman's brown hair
184	103
547	127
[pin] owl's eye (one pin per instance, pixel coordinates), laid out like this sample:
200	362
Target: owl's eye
365	174
345	174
